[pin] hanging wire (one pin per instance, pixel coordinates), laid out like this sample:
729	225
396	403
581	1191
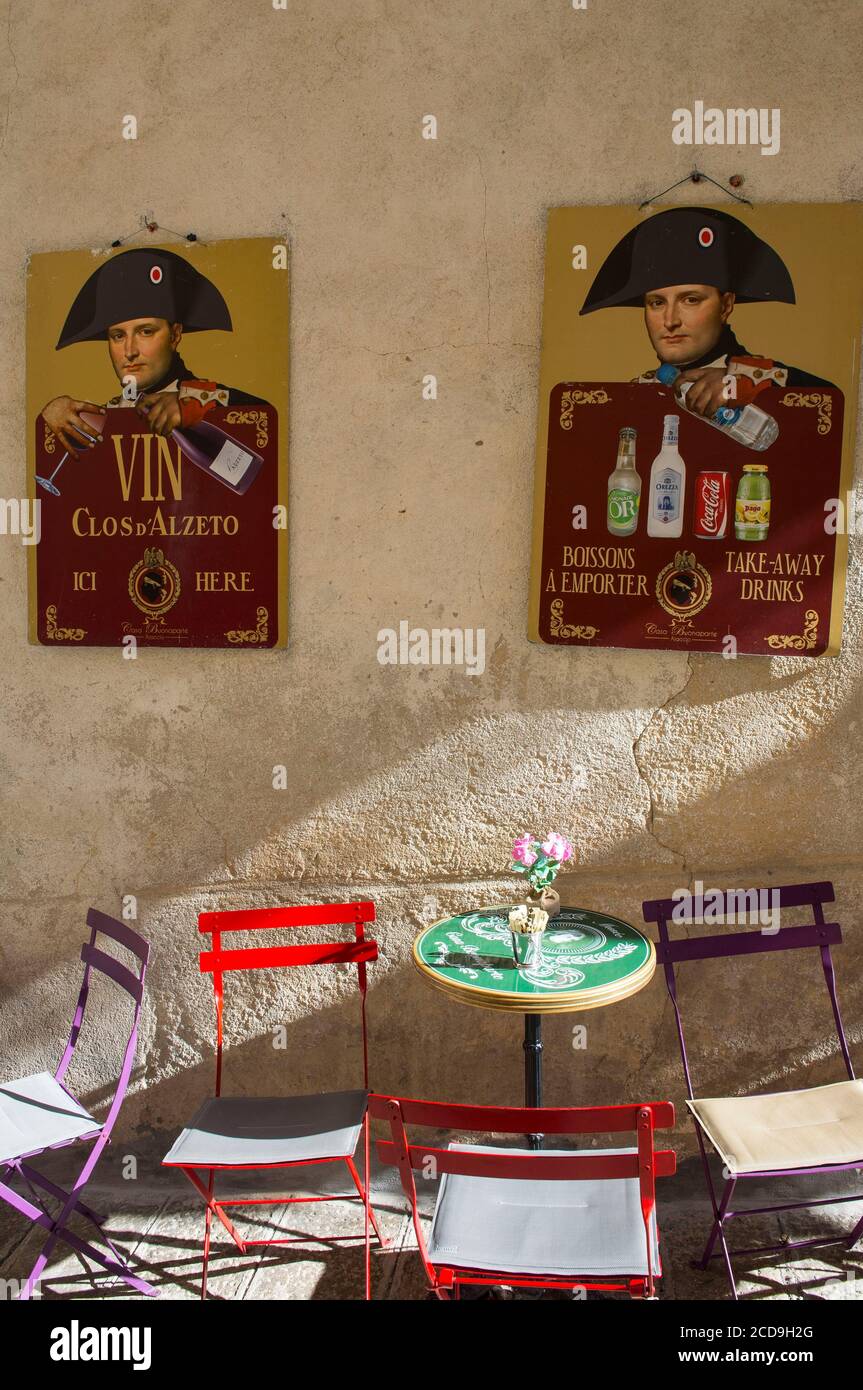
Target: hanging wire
695	177
149	224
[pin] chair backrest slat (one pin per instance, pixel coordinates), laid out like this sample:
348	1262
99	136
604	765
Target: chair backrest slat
120	932
263	957
788	895
119	973
748	943
273	918
526	1166
494	1119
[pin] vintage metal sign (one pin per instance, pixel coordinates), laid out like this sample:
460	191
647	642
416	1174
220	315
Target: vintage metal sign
698	393
157	388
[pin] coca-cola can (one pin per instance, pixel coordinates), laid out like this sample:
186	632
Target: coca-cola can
710	520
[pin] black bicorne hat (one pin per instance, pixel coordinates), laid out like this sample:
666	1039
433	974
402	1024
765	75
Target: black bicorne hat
690	246
141	284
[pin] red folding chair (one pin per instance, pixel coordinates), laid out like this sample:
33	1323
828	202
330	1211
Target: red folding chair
533	1218
778	1134
234	1134
39	1113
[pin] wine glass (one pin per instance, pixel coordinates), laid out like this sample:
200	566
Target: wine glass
97	424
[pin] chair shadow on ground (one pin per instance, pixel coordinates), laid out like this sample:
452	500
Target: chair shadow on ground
174	1262
334	1269
153	1115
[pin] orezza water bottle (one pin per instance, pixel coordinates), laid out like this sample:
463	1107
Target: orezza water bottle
747	424
667	485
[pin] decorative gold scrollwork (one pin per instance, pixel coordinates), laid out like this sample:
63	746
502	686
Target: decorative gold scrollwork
61	634
798	642
559	628
823	404
254	635
570	399
258	418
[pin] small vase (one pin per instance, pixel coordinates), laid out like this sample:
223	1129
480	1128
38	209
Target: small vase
550	900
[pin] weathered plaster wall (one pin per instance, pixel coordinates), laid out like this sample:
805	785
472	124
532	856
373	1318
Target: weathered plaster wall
153	777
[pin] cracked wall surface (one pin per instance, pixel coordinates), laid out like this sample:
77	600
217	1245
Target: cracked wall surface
406	784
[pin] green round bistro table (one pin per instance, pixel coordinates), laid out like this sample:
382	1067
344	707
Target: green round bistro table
588	960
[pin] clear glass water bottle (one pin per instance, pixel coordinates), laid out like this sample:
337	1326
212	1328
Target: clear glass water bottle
624	487
747	424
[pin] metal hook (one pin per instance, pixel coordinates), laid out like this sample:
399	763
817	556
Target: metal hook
695	176
149	224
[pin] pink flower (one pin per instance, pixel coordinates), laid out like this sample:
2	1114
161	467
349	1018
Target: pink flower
557	847
523	851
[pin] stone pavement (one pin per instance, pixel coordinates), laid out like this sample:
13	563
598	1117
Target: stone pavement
157	1218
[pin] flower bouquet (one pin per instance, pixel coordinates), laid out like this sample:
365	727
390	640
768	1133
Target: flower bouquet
539	862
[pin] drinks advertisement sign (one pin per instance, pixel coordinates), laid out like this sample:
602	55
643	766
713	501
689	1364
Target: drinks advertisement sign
157	381
696	428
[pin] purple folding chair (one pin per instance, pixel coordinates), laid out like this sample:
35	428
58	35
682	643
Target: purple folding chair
38	1113
778	1134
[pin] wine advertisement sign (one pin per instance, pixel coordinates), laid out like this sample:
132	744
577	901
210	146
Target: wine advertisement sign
157	389
696	428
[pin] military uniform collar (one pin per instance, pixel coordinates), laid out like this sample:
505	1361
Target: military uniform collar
177	372
726	346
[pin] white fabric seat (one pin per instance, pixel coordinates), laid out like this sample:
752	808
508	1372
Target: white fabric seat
231	1131
579	1227
36	1113
785	1129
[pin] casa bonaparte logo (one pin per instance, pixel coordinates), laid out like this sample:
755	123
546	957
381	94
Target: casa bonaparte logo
154	583
684	586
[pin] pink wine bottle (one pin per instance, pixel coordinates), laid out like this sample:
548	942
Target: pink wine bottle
219	455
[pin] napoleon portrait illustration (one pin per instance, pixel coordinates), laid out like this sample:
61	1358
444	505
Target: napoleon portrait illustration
685	269
141	303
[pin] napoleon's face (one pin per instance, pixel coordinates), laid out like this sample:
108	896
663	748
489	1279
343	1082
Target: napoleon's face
685	321
142	349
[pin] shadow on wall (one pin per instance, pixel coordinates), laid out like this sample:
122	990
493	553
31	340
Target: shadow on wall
462	758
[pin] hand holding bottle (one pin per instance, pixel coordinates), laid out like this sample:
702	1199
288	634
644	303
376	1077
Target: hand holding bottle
161	410
68	419
75	432
204	444
747	424
707	392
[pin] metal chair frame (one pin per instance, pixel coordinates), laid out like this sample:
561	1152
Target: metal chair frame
218	962
645	1164
669	953
21	1167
